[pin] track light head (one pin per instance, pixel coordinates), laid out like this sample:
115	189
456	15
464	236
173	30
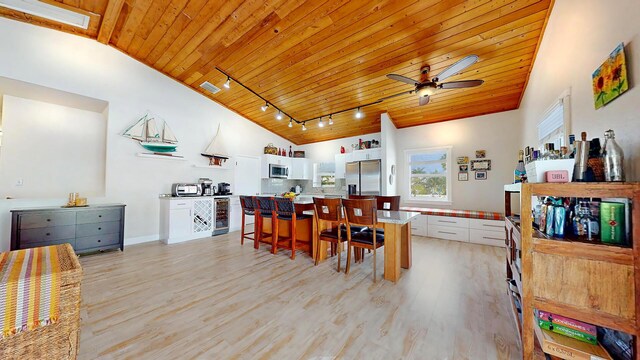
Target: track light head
279	115
304	128
290	122
358	114
265	107
321	123
227	84
331	119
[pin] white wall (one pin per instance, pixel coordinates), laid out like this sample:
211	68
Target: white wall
45	141
389	157
579	36
83	66
326	151
499	134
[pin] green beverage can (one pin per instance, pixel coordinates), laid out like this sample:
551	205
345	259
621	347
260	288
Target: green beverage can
612	226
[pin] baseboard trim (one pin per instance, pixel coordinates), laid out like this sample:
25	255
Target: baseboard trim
141	239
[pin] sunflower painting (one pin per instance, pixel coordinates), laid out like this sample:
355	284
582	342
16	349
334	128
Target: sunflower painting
610	79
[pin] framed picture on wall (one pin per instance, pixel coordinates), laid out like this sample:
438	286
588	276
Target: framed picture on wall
481	175
463	176
481	154
463	160
463	168
480	165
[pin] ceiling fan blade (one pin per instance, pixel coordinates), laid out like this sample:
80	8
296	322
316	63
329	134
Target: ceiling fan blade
424	100
457	67
461	84
403	79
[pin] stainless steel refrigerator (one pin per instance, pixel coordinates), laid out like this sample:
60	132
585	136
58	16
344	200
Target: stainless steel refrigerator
364	177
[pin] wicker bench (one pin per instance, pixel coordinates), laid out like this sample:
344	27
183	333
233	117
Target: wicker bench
58	340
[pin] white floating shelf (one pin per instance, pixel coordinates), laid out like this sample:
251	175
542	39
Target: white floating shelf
226	167
164	157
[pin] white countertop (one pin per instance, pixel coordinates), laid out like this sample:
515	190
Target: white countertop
396	217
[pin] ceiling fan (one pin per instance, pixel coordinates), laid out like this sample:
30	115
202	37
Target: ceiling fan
428	88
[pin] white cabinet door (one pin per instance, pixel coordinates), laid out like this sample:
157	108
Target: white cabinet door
358	155
341	161
179	224
419	225
235	216
299	169
374	154
246	176
366	154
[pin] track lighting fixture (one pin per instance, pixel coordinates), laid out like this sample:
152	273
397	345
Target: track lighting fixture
331	119
279	115
358	114
228	83
265	106
321	123
290	122
304	128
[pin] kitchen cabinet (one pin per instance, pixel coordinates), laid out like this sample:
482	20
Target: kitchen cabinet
235	216
300	169
274	159
366	154
183	219
341	162
419	225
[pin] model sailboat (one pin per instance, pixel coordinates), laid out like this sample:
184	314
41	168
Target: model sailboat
146	132
215	151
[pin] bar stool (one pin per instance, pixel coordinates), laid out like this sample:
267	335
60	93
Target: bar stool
265	208
286	211
362	212
389	203
330	211
246	202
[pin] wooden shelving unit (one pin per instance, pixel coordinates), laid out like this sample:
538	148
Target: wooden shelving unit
588	281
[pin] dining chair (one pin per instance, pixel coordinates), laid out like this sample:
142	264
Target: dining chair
329	212
265	208
389	203
286	211
362	212
248	209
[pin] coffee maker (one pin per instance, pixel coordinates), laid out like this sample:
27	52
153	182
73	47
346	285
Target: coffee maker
224	189
207	186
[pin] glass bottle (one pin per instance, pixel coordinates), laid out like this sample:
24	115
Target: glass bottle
572	147
613	158
290	152
520	174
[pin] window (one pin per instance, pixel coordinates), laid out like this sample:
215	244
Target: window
554	125
429	174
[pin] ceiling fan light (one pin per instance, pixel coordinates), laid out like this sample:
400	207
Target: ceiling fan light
426	91
279	115
227	84
358	114
265	107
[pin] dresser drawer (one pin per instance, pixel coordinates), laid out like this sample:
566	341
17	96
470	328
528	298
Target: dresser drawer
448	233
493	238
48	243
449	221
96	216
47	219
180	204
97	228
47	234
90	242
482	224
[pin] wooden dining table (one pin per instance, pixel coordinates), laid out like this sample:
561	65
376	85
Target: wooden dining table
397	238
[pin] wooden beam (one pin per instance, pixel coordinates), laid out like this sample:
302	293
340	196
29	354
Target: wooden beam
109	20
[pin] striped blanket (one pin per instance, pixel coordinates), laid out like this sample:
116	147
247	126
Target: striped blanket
29	289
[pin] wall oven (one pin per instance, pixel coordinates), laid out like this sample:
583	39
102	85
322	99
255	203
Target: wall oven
278	171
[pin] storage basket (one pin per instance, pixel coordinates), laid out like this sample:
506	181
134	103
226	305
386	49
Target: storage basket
537	169
270	149
59	340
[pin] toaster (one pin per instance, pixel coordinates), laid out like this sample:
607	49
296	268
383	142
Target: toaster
186	190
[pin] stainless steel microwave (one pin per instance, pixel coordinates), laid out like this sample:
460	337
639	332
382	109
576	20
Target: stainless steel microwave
278	171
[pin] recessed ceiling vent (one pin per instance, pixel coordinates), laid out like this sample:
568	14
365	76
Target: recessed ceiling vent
210	87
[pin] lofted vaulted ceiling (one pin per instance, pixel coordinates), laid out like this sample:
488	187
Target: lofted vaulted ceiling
315	57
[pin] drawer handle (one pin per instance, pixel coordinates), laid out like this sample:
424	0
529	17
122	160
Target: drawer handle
99	240
48	219
490	238
48	234
99	215
446	232
495	226
99	228
445	221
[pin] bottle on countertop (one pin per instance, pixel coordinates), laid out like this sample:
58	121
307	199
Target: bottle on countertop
520	174
572	146
290	152
613	158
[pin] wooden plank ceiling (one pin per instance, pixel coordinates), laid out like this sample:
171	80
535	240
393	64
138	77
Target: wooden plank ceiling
315	57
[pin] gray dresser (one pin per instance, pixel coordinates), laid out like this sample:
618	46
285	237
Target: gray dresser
87	229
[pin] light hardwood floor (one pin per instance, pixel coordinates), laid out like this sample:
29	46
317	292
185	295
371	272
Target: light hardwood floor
215	299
